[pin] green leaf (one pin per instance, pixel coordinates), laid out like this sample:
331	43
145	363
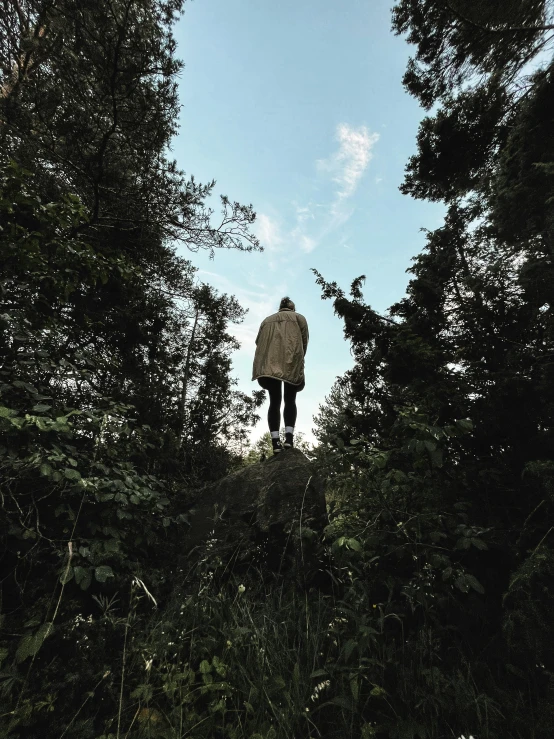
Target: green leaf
461	506
83	577
462	584
475	584
354	544
380	461
102	573
436	536
343	702
31	643
464	424
377	692
41	407
219	666
319	673
32	622
29	388
479	543
66	576
71	474
436	458
111	546
45	469
349	647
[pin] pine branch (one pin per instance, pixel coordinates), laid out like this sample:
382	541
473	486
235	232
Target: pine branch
473	23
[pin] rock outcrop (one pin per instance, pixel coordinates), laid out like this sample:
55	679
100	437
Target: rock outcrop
269	514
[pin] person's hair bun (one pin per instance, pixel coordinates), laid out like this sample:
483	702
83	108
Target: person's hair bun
286	303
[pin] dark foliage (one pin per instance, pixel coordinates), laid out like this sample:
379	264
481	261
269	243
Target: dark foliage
116	389
440	440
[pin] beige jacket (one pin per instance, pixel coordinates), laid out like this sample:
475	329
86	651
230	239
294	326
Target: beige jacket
280	347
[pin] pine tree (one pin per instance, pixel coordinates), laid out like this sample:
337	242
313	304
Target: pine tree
447	412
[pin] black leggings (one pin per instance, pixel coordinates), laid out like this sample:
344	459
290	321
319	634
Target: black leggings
273	387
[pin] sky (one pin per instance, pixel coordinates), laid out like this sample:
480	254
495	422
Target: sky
298	108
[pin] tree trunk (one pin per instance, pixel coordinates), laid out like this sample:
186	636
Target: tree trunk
183	401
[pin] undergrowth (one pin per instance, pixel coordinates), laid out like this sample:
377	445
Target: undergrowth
413	630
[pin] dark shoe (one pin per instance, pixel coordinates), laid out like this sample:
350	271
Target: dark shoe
277	447
289	441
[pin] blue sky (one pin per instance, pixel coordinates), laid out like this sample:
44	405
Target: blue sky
299	109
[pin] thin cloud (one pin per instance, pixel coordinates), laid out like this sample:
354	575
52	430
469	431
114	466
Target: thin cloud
348	164
305	243
304	213
269	233
314	221
267	230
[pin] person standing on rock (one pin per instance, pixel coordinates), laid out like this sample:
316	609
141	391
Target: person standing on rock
279	361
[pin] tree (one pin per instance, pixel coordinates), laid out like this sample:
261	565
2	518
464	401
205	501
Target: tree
97	327
90	103
460	43
447	412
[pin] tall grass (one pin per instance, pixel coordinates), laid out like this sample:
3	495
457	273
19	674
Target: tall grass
243	660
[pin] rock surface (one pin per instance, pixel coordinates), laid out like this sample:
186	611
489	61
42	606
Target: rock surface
267	514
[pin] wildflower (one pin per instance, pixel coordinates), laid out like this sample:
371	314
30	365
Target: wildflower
318	688
241	589
229	643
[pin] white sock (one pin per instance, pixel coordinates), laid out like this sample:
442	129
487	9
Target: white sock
274	434
289	429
